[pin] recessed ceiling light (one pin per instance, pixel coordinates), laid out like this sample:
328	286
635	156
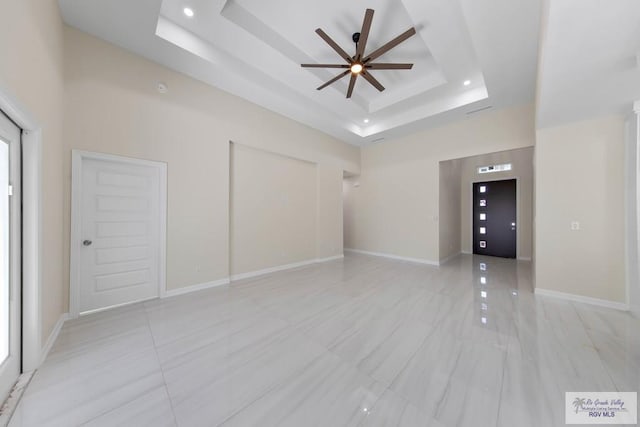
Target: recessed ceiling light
188	11
467	82
366	120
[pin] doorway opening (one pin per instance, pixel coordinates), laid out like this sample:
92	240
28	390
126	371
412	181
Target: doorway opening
459	223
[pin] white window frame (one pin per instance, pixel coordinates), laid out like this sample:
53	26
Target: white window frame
32	348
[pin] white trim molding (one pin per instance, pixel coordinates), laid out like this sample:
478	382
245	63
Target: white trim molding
582	299
395	257
449	258
331	258
53	336
195	288
77	157
31	228
291	266
269	270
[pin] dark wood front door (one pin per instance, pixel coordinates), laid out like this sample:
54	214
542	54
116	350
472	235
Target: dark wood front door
494	218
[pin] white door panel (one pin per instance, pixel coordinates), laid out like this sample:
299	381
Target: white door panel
119	251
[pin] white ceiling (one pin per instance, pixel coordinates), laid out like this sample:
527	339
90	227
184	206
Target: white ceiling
590	64
253	49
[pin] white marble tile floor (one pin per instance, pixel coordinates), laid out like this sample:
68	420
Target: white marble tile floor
363	341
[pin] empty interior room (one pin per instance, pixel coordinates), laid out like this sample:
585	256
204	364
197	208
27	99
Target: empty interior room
303	213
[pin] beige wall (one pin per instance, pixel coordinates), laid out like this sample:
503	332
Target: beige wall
31	71
580	177
522	169
273	210
112	106
329	240
396	205
349	214
450	208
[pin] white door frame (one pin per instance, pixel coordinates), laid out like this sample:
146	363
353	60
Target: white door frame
31	228
77	156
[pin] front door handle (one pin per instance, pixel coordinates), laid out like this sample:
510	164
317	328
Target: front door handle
87	242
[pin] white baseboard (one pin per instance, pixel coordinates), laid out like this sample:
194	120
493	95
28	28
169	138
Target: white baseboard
331	258
227	280
582	299
44	352
275	269
466	252
396	257
195	288
449	258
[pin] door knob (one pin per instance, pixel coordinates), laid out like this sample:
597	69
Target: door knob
87	242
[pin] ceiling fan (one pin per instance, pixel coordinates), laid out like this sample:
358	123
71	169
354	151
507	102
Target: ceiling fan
361	64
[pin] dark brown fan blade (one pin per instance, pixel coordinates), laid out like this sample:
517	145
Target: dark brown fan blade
375	83
384	66
325	65
352	84
334	45
393	43
335	79
364	34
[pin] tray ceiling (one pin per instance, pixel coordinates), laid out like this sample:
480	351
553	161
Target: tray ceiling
254	48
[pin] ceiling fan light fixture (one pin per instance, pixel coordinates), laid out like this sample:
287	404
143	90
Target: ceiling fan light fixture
356	68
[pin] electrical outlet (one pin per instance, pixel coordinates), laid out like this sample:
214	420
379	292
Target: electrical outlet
575	225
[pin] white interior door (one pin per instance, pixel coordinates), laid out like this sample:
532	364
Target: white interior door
120	239
10	249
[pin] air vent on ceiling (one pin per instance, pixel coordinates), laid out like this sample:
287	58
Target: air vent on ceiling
377	140
478	110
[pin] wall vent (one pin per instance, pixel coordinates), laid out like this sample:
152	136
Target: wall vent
495	168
